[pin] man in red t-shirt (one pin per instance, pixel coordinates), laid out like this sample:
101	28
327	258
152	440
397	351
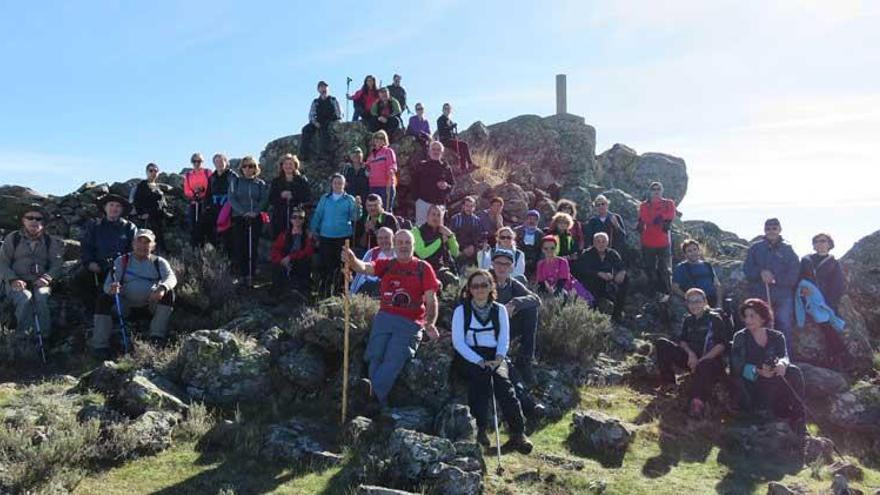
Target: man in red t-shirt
407	303
655	218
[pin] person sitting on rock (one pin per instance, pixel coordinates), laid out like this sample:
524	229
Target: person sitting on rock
604	220
699	348
149	207
493	219
248	198
407	306
505	239
522	308
219	186
577	229
323	112
375	217
103	241
195	188
289	189
481	336
333	222
771	268
384	250
601	270
385	114
528	238
447	133
142	280
437	244
655	220
820	289
398	92
468	230
553	274
382	170
292	256
357	180
30	260
760	366
432	182
419	127
562	227
364	98
696	272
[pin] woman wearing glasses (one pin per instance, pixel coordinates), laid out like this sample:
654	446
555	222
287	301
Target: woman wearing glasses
248	197
148	201
481	335
505	238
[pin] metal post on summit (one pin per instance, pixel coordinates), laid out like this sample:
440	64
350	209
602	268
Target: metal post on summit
561	95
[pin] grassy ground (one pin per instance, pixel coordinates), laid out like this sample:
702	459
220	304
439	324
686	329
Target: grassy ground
664	459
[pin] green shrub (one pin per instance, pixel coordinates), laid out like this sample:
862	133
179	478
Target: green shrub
572	330
363	310
205	289
198	422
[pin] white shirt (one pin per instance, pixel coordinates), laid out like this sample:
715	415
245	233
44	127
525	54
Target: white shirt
465	338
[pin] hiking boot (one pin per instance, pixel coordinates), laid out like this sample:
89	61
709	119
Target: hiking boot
362	400
697	408
539	411
519	443
483	438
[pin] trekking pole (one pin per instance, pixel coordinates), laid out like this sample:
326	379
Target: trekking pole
499	470
38	330
767	291
118	302
807	411
346	308
347	92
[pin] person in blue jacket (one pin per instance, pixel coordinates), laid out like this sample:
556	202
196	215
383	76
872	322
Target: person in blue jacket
822	273
332	223
772	270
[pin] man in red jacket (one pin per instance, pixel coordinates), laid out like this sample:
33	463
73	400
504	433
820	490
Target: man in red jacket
655	218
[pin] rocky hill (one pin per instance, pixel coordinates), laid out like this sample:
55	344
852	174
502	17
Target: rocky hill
257	381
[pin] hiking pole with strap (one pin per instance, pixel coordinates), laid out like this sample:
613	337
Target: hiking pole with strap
38	330
500	469
118	302
346	308
807	411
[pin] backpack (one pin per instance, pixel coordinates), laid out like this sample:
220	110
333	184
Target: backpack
393	269
494	317
16	240
125	259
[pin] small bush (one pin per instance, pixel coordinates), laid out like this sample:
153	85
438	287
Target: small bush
363	310
572	330
205	289
198	422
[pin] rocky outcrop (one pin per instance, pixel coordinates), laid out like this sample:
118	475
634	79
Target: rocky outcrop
857	409
602	436
220	368
862	268
298	440
623	168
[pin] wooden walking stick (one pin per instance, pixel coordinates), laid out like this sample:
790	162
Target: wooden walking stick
346	308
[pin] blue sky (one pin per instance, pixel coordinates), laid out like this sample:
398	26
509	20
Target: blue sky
775	106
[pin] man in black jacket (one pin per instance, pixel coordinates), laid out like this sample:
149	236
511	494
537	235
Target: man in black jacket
365	229
324	111
522	308
601	270
433	182
604	220
398	93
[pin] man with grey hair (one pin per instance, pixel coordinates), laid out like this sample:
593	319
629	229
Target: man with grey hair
433	181
407	305
601	270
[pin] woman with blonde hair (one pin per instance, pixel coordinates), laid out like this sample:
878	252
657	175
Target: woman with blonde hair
560	227
289	190
248	198
505	238
382	167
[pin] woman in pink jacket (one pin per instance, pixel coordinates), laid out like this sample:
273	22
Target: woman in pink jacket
382	167
553	273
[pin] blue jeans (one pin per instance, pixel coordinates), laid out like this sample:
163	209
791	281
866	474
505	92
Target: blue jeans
387	201
394	340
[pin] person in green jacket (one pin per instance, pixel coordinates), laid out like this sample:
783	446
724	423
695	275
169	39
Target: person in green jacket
436	244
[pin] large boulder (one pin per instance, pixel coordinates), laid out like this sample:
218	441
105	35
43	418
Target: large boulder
455	422
449	468
857	409
413	453
774	439
304	367
604	437
220	368
299	440
153	431
862	268
625	169
425	379
821	383
134	392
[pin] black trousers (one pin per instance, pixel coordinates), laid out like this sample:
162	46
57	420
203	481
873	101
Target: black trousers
200	223
657	263
616	293
325	143
480	383
86	286
390	126
329	265
245	256
299	277
708	372
775	394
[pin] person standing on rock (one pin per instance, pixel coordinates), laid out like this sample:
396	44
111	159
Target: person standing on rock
398	92
522	308
528	238
822	284
772	269
432	182
505	239
481	336
30	260
357	179
292	256
655	220
248	198
103	241
289	190
604	220
761	367
364	98
219	186
143	281
375	217
469	231
696	272
407	307
149	206
447	133
382	170
195	188
699	348
385	114
436	244
323	112
602	271
333	222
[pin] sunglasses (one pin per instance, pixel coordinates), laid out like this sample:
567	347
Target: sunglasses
480	285
297	217
248	166
153	170
505	237
196	161
33	219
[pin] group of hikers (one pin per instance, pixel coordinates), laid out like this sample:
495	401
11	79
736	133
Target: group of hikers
405	262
